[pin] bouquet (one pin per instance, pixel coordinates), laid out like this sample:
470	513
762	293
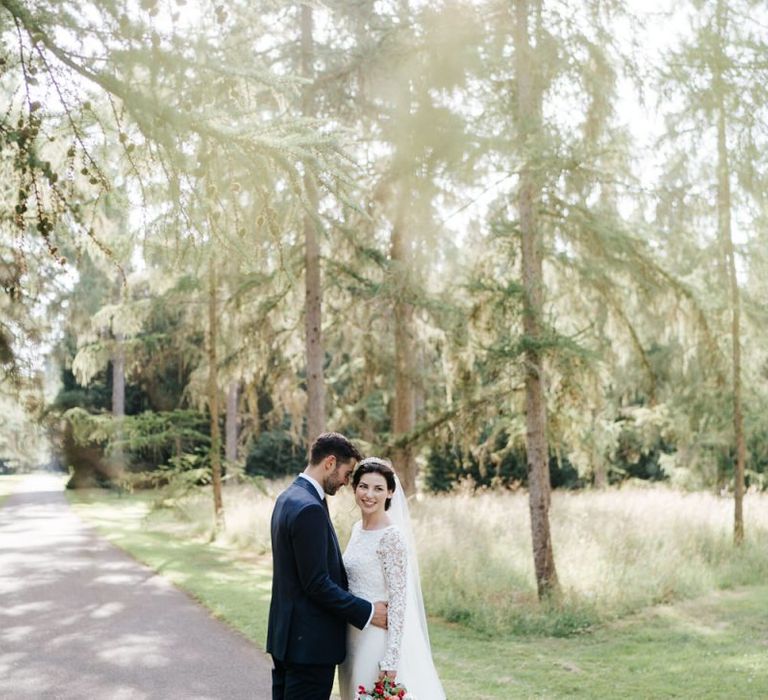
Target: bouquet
384	689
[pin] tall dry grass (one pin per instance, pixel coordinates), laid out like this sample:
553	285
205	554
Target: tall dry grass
616	551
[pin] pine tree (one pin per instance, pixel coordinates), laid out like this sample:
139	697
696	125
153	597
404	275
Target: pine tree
723	73
529	108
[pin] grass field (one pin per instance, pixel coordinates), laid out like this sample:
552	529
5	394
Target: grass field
8	484
710	645
617	551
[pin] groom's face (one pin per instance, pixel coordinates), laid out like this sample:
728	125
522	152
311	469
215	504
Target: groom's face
339	476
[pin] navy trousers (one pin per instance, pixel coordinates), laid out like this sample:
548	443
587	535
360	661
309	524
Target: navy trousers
301	681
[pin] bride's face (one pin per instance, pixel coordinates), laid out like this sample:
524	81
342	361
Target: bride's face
371	493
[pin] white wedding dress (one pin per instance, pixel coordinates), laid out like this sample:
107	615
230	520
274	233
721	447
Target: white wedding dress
379	568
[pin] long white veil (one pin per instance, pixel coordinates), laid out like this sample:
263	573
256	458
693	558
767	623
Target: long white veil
417	667
400	515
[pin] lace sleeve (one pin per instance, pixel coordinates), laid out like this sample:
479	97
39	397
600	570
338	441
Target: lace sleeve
394	561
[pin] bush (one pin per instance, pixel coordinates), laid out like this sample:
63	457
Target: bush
447	466
273	454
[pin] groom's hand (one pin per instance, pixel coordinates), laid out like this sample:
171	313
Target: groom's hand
379	618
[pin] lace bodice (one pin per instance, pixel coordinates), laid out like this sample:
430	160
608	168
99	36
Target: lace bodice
377	565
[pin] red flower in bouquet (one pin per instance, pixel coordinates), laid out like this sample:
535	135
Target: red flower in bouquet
384	689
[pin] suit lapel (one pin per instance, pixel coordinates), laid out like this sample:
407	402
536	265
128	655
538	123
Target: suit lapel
333	533
307	486
302	483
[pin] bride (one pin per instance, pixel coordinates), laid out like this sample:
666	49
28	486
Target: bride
381	564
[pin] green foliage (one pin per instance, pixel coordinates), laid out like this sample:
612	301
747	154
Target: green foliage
95	397
182	477
273	454
155	435
129	137
446	466
490	466
173	444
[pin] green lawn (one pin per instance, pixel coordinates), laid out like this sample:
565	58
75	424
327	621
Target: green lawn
8	484
711	647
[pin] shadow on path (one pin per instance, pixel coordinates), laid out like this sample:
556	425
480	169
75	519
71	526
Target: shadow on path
80	619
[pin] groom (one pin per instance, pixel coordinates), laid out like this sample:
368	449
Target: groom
310	605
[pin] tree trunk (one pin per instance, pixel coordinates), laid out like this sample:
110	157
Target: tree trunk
729	259
402	260
529	99
117	458
599	466
370	372
313	318
230	445
404	409
115	463
417	378
213	398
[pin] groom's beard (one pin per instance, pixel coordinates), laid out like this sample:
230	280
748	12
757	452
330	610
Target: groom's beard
333	482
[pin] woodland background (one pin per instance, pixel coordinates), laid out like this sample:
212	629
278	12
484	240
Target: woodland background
509	245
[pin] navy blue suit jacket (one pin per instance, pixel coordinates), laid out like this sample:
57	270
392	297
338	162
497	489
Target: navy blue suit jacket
310	605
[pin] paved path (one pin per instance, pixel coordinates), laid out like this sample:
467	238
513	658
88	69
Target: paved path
79	619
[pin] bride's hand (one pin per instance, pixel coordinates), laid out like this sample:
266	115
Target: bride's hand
387	674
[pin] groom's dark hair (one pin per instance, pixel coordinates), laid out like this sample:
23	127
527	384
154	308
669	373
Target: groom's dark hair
334	444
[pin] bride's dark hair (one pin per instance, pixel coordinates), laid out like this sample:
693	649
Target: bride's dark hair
375	465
